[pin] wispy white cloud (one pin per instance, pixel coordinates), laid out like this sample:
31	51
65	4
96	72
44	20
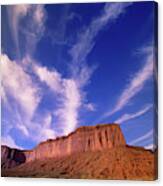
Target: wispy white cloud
70	104
52	78
86	39
18	84
147	135
58	35
9	141
45	129
74	15
15	14
136	84
33	29
4	96
36	27
23	129
127	117
26	95
68	97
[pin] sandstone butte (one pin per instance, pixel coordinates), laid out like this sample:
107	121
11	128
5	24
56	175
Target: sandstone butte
95	152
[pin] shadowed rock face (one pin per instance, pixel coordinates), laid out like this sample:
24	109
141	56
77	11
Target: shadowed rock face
88	138
11	157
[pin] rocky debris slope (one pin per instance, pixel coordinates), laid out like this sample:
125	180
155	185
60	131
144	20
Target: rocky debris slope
116	163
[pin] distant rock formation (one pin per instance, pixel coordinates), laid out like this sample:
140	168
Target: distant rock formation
86	138
90	138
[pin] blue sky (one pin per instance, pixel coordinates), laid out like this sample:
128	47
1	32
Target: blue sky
64	66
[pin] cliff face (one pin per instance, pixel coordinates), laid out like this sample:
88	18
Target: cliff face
84	139
89	138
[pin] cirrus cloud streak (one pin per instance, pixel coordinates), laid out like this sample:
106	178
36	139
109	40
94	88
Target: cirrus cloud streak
127	117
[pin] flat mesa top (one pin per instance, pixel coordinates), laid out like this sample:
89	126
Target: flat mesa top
99	126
